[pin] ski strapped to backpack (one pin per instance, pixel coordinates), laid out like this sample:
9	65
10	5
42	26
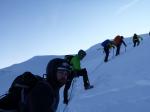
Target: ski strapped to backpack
1	110
3	95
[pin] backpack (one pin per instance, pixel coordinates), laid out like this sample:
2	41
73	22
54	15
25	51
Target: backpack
135	38
20	88
105	43
68	58
26	80
117	40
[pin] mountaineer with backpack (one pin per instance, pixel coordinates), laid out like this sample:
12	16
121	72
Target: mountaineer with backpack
118	40
107	45
30	93
76	72
136	40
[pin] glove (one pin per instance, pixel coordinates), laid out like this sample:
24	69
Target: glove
66	101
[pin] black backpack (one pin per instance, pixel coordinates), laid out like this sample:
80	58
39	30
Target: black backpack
27	81
68	58
135	38
105	43
20	88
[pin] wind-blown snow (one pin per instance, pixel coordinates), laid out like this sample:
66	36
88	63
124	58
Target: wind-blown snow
120	85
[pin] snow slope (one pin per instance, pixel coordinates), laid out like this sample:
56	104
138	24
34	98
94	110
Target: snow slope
121	85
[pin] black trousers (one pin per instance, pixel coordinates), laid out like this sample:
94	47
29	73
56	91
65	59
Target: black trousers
118	49
106	50
83	73
136	43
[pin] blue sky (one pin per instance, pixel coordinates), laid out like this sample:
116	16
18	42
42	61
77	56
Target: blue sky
55	27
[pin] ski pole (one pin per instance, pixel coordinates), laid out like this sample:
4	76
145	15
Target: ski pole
70	96
113	52
99	49
72	87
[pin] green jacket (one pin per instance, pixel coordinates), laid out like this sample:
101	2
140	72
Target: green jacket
75	62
